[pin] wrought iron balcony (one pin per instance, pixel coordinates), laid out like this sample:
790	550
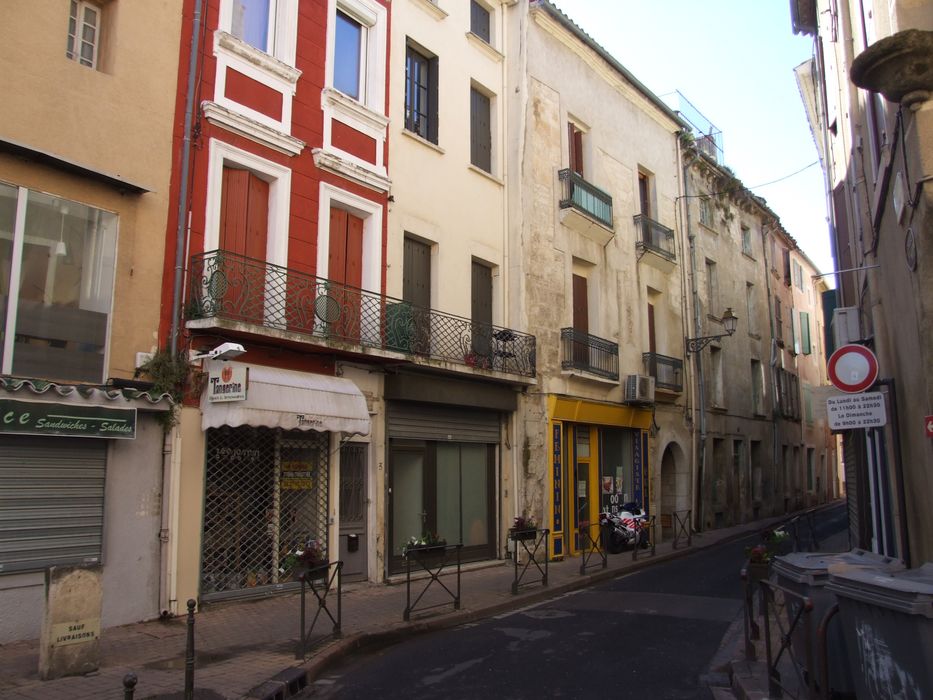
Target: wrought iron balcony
578	194
668	372
588	353
654	237
233	287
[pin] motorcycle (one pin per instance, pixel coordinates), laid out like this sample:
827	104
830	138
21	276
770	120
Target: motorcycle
625	529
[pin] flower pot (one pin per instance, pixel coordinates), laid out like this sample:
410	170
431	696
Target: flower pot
524	534
758	570
317	572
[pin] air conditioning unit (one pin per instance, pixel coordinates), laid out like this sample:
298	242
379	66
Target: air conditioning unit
845	326
639	389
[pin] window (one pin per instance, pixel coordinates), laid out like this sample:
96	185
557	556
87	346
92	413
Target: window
805	345
786	253
575	143
480	130
712	289
706	212
798	275
644	195
421	94
84	33
778	323
717	397
479	21
747	240
348	55
750	309
57	265
811	461
250	22
757	389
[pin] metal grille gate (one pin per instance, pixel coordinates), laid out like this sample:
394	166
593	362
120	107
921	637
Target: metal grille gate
266	495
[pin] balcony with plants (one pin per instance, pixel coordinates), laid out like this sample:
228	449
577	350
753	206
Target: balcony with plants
668	372
252	296
654	243
584	207
584	353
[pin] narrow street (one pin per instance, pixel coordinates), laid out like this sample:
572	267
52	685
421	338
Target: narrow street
652	634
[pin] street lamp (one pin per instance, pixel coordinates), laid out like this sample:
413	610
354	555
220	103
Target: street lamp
729	322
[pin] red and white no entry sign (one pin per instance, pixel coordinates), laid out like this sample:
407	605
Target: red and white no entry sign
853	368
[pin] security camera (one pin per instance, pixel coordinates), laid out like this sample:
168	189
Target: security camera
226	351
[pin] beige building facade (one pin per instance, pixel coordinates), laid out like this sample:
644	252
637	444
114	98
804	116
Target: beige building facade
85	157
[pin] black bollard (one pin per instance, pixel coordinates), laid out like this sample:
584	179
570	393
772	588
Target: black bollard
189	653
129	685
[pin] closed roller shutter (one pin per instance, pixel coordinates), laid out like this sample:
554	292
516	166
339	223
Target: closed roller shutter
51	502
442	423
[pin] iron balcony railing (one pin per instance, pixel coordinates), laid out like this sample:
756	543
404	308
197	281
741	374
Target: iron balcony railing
588	353
654	237
668	372
233	287
577	193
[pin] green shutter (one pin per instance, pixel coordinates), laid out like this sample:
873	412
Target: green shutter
805	332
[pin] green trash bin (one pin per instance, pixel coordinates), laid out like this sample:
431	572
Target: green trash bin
887	622
806	574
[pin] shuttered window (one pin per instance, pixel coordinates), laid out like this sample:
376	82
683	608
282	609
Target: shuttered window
480	131
421	94
51	502
805	346
479	21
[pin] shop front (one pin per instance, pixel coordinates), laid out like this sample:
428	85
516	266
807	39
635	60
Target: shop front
599	462
81	471
270	459
444	444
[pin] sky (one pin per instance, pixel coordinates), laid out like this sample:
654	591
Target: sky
734	61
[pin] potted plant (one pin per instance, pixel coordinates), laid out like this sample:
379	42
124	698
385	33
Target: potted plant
761	555
428	546
524	527
308	560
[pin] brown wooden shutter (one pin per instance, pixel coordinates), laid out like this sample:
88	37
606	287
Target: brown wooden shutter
651	340
581	321
416	273
576	149
481	309
644	195
480	131
244	213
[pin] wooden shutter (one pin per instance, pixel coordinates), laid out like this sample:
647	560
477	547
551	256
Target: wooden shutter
575	138
480	131
416	273
479	21
244	213
581	322
481	309
644	195
345	255
652	348
805	346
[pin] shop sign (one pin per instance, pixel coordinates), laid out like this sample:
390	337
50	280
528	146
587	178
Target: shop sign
296	475
75	632
35	418
227	383
636	470
558	489
646	503
856	411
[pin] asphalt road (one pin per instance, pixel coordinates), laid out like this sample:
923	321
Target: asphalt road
650	634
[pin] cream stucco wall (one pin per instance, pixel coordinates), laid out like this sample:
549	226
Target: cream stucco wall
116	120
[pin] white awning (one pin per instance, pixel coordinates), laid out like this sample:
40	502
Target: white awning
281	398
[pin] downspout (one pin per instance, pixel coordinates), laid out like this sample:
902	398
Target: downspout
700	405
183	184
772	360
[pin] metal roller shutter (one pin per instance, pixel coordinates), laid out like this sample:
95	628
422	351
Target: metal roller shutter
51	502
443	423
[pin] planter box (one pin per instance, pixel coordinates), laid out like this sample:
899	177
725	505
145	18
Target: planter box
516	535
313	573
427	553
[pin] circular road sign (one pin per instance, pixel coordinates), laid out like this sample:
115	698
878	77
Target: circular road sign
853	368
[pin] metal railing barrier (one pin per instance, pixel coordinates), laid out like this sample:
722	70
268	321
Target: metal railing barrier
682	528
590	546
320	580
432	559
648	526
530	550
783	611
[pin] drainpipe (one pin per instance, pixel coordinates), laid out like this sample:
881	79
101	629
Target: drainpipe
185	170
772	360
700	405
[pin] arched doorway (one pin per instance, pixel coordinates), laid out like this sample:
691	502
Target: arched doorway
675	485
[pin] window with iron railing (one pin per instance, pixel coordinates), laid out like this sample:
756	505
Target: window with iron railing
654	237
667	371
578	194
589	353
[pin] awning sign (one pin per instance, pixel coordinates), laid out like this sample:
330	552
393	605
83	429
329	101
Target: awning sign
35	418
227	382
856	411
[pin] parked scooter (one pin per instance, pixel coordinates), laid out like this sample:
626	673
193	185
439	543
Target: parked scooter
625	528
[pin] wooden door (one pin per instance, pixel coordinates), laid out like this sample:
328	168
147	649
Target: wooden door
481	313
416	292
575	137
644	195
652	347
581	323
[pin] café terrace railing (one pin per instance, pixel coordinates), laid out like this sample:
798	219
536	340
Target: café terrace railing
233	287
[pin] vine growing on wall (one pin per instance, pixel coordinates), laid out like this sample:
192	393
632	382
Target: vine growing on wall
169	372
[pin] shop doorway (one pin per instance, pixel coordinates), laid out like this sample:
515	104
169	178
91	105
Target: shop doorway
354	502
584	496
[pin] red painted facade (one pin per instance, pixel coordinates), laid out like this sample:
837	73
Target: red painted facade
306	123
